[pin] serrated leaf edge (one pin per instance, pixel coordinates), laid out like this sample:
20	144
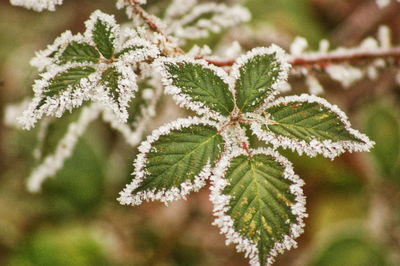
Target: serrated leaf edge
182	99
225	222
56	105
108	19
327	148
52	163
127	198
281	56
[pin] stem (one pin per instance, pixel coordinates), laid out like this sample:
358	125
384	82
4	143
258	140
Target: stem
322	61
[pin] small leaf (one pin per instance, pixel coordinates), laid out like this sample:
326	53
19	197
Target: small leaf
69	78
259	204
79	52
259	73
311	125
198	86
174	161
103	30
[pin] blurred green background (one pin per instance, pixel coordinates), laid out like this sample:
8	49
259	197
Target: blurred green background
353	202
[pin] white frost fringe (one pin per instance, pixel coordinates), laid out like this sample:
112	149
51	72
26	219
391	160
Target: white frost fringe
127	198
326	148
54	162
37	5
226	223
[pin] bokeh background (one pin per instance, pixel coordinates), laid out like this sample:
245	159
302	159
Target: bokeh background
353	202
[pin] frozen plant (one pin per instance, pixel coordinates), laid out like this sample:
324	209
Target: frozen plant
119	73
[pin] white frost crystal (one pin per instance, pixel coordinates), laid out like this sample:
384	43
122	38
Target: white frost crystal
37	5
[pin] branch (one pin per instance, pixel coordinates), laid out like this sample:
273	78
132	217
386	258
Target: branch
322	61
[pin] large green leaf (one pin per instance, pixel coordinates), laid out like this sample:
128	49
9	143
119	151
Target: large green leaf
103	37
260	70
311	125
261	201
175	160
180	156
201	84
79	52
69	78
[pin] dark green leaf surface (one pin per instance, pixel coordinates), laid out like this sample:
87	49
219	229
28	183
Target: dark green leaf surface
180	156
261	200
104	38
202	85
254	85
79	52
307	121
70	77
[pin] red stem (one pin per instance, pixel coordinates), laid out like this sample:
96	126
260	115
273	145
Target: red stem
324	60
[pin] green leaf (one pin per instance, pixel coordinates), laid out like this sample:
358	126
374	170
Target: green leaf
70	78
261	69
103	37
311	125
180	156
261	201
79	52
201	83
383	126
175	160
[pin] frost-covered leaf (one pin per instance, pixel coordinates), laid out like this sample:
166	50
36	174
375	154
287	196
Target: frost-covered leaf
197	85
310	125
71	78
79	52
259	74
259	203
58	143
102	28
173	161
57	92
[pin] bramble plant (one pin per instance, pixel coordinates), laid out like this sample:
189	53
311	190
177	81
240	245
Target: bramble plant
118	72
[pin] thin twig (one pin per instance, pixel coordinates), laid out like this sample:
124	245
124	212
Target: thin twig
325	60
